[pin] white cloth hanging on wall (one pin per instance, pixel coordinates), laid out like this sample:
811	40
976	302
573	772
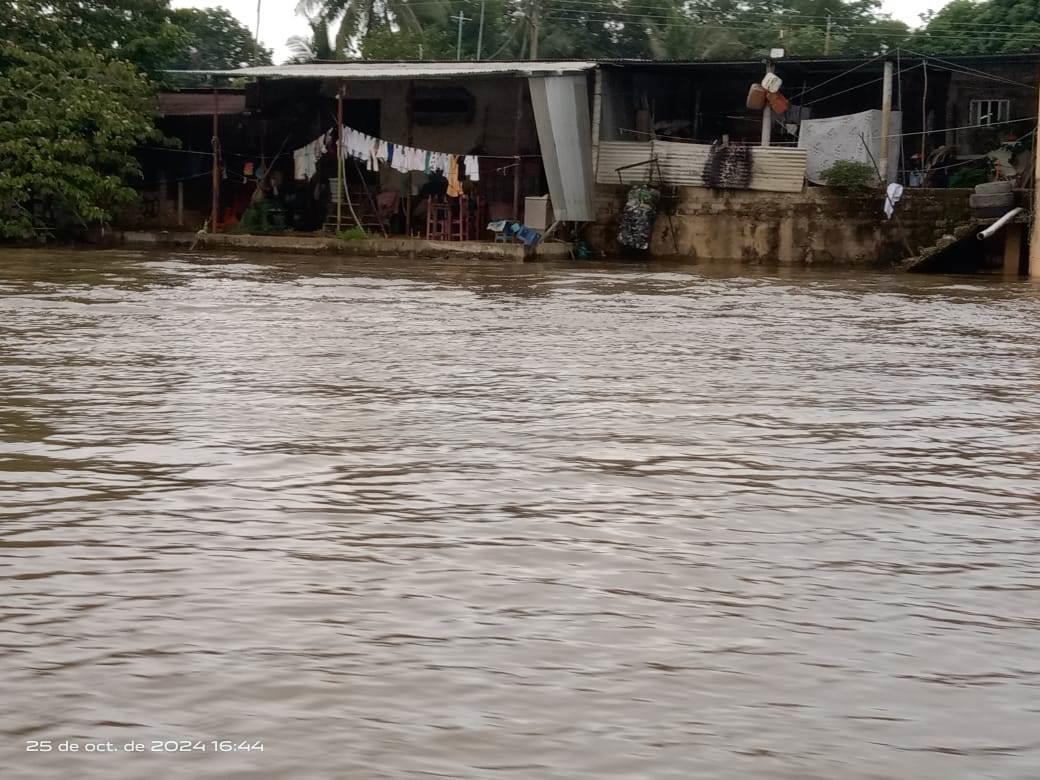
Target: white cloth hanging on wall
827	141
893	195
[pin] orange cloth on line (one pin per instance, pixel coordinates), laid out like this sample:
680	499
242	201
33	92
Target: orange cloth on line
454	185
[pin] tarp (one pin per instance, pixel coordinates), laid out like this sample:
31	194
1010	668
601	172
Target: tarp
561	113
838	138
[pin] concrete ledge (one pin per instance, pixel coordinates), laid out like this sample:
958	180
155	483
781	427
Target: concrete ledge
366	247
156	238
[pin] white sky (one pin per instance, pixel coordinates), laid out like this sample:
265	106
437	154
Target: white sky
278	19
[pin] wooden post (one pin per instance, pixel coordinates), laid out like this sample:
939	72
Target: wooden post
597	119
339	159
1012	249
214	214
886	124
180	203
1034	235
924	117
697	116
517	161
767	115
410	104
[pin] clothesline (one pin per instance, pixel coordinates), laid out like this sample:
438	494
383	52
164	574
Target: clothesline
404	158
375	152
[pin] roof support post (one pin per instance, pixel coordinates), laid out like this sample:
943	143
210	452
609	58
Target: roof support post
767	114
339	159
215	180
1034	234
886	124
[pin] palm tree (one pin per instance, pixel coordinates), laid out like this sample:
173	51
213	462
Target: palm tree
356	18
319	46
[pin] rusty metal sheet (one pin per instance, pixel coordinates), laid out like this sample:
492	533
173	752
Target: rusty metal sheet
773	169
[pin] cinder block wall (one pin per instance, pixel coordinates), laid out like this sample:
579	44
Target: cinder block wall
816	226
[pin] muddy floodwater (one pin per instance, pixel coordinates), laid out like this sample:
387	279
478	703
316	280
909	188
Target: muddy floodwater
284	517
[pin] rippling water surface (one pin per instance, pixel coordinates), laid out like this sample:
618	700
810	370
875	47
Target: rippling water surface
481	521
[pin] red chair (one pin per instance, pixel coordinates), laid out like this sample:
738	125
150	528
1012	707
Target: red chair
438	220
460	219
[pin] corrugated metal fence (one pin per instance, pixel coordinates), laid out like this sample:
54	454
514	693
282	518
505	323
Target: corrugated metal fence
773	168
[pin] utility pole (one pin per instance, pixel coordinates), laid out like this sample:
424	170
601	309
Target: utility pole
536	25
827	39
257	38
480	30
886	123
461	19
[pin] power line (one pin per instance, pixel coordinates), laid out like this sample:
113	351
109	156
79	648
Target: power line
624	18
857	30
857	86
612	6
968	69
962	127
625	9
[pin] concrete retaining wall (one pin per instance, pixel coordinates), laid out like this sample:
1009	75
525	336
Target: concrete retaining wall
372	247
817	226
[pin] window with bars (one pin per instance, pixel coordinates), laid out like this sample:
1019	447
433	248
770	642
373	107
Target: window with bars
990	112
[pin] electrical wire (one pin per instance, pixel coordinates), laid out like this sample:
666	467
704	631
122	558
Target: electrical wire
613	6
581	14
968	69
962	127
857	86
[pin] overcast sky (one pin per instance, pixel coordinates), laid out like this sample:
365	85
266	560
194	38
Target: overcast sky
278	19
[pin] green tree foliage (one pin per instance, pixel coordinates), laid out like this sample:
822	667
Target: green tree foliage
77	81
988	27
69	123
717	29
356	19
216	41
319	45
636	29
137	31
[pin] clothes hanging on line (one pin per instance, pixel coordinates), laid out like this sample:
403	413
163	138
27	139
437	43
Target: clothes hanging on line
454	185
405	159
305	159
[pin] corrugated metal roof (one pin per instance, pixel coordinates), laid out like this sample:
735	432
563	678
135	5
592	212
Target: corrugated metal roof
773	169
404	70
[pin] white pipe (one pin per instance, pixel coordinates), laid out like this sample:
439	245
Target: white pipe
984	234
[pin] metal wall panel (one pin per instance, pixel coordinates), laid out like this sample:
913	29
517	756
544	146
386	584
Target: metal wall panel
773	169
561	114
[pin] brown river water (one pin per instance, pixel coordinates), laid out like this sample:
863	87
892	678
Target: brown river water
466	520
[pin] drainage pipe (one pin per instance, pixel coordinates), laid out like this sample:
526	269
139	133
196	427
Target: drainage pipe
992	229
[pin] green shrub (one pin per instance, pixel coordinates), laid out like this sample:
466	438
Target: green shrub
849	175
352	234
967	178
